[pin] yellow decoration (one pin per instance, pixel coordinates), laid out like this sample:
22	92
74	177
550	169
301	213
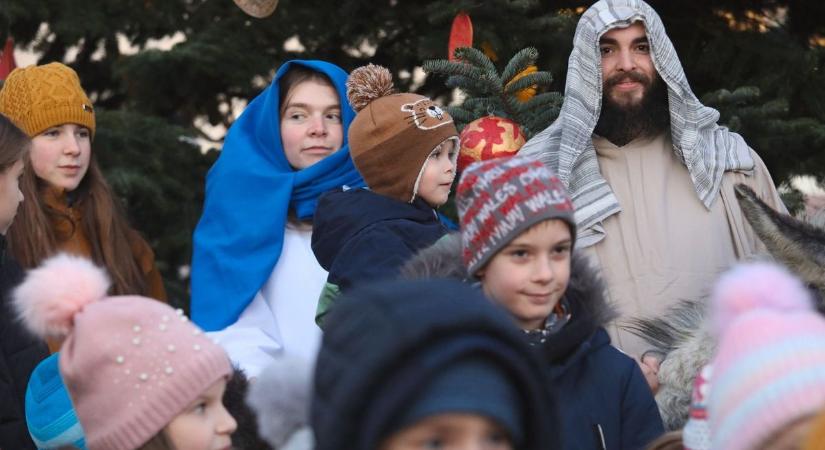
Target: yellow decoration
528	92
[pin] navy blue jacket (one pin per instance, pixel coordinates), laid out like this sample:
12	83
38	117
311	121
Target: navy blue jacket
358	235
604	399
610	403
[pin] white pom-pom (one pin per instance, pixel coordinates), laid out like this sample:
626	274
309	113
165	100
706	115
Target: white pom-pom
757	286
54	292
281	398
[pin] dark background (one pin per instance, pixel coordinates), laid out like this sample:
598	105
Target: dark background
759	62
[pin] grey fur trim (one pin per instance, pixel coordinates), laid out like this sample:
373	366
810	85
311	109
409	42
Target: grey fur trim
281	398
443	260
440	260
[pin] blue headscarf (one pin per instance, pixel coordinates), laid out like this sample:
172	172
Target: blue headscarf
248	193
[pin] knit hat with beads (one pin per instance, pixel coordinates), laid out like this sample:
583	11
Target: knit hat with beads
36	98
393	135
130	364
498	199
769	370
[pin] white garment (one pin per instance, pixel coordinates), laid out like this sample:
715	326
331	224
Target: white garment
281	317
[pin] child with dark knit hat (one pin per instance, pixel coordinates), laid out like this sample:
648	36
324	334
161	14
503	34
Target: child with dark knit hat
139	374
428	364
516	242
405	147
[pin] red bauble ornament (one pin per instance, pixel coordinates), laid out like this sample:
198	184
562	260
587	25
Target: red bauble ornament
487	138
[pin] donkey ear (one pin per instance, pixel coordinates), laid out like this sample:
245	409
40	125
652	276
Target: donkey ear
408	107
797	244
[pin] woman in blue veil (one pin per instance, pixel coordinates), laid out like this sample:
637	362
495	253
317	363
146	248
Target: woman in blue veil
255	280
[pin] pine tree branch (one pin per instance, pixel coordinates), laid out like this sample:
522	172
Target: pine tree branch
524	58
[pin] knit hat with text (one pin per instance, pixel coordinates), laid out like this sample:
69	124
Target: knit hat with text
769	370
130	364
37	98
393	135
498	199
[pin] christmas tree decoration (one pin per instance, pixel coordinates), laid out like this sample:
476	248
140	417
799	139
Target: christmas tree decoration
461	34
487	138
528	92
7	63
513	94
258	8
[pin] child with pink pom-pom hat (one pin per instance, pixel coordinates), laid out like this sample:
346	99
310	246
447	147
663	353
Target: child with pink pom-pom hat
139	374
768	380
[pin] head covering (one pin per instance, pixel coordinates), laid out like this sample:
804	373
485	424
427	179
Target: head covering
566	146
473	385
50	414
385	344
498	199
248	192
130	364
696	434
769	370
36	98
393	135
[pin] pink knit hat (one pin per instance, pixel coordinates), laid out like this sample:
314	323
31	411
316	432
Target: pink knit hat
131	364
769	370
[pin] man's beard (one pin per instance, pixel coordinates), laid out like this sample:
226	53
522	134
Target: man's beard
649	116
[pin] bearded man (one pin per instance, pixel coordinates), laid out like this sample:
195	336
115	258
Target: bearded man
650	172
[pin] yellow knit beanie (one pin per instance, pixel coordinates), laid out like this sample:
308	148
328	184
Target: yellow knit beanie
36	98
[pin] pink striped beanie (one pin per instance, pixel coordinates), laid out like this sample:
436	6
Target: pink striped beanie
769	369
130	364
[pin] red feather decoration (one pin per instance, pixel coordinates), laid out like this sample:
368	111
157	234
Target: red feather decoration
461	34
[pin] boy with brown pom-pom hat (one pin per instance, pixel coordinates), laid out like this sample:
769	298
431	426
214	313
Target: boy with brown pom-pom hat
405	148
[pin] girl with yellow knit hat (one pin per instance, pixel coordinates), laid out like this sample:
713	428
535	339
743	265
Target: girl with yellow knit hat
68	204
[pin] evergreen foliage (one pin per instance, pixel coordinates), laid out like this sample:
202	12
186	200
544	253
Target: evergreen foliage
489	93
150	99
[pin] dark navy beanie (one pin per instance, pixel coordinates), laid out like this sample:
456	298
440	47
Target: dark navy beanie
397	351
474	385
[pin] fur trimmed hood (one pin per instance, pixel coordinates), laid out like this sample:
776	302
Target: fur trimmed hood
585	293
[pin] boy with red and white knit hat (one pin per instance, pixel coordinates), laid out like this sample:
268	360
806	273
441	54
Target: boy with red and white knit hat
517	237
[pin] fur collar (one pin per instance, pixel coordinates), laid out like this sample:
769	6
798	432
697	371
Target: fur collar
585	292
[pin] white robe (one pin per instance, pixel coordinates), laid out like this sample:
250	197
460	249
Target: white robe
281	317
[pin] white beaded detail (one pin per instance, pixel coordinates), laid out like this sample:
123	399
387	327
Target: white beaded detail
136	341
143	376
162	327
197	347
119	359
170	348
168	370
136	328
179	312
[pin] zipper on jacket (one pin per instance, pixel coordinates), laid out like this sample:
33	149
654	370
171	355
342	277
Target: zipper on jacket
599	435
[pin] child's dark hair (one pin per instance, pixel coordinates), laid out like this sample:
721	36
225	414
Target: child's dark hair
295	76
14	143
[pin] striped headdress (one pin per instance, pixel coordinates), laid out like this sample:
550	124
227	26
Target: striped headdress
566	146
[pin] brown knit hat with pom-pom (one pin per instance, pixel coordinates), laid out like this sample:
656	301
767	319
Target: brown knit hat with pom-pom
393	134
